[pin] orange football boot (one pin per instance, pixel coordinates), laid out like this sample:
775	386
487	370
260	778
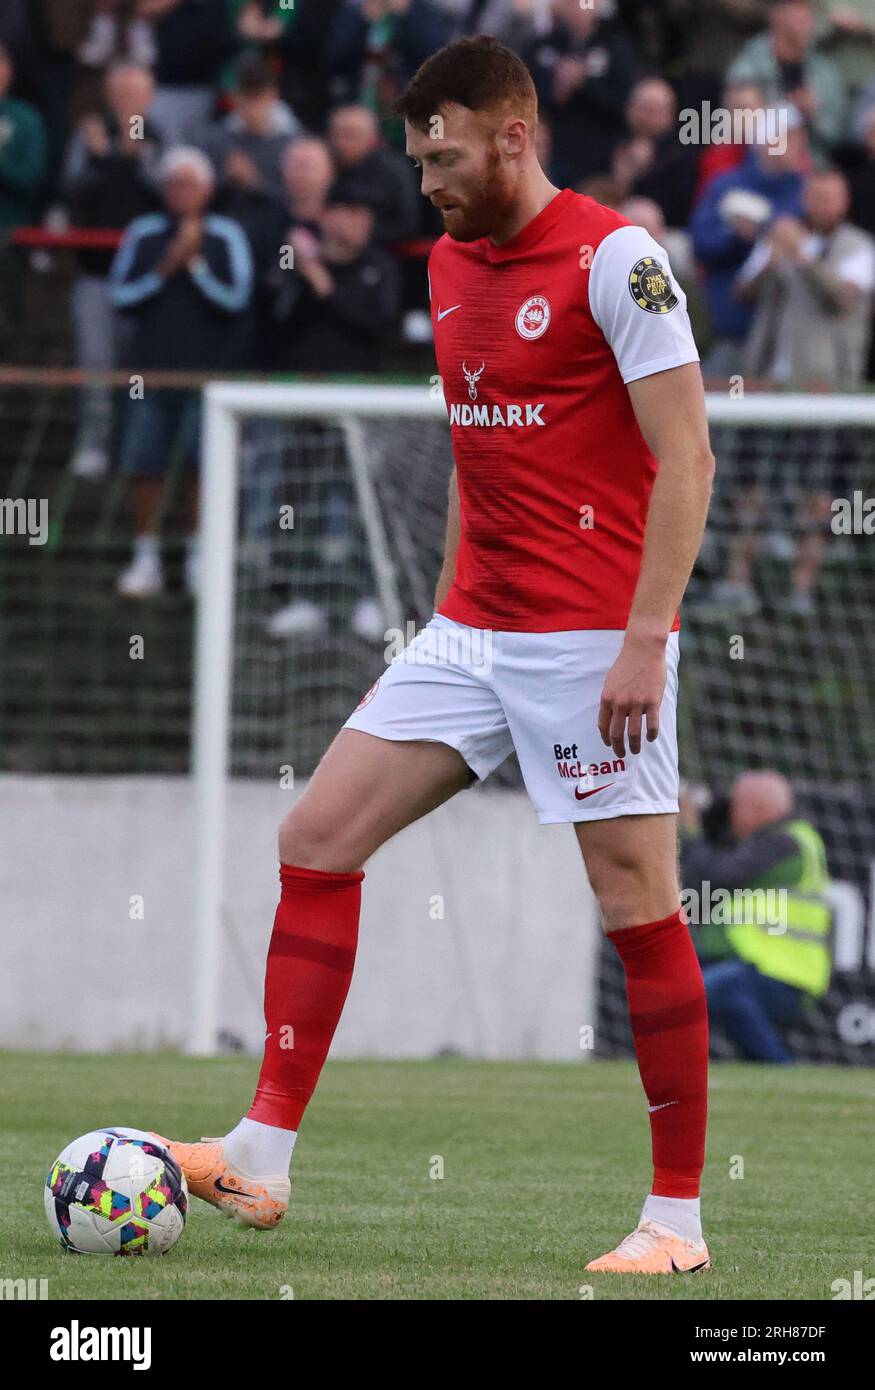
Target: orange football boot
652	1249
259	1202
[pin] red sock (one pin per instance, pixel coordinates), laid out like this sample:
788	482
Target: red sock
669	1018
309	969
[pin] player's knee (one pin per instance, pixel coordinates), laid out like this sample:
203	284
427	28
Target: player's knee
310	842
620	881
613	871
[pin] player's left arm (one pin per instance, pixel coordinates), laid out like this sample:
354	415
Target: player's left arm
642	312
670	409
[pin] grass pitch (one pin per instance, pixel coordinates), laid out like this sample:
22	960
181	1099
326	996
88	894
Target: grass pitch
544	1167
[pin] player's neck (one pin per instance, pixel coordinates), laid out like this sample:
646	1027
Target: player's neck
533	196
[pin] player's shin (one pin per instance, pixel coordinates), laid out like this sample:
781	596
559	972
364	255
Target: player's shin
309	968
669	1018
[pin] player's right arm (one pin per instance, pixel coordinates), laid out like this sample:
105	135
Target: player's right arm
451	545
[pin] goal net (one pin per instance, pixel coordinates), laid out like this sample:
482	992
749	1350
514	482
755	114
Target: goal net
324	510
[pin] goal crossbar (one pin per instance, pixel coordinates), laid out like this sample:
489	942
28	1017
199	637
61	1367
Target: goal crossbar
226	405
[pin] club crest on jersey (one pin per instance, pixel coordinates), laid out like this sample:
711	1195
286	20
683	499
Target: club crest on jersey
651	288
368	696
533	319
472	378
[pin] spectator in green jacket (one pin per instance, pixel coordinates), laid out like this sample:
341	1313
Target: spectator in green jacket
23	165
260	27
785	62
22	152
759	914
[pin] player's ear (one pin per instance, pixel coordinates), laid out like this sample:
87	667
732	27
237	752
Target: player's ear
514	137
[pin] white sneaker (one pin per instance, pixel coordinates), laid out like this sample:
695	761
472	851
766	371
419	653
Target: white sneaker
653	1249
142	578
300	618
90	462
368	620
260	1202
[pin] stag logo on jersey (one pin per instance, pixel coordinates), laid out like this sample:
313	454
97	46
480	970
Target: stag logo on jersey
534	317
472	378
651	288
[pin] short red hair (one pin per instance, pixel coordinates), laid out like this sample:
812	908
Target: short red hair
479	73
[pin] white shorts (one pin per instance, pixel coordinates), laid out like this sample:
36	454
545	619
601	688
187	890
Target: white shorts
487	694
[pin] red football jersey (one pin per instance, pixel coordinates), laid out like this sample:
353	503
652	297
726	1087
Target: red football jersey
535	342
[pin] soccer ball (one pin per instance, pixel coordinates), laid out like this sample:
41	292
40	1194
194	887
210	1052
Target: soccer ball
116	1192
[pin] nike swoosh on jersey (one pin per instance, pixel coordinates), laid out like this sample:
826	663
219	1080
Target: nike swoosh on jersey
442	313
651	1109
581	796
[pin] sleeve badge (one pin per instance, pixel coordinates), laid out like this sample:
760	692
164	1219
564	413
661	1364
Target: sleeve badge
651	288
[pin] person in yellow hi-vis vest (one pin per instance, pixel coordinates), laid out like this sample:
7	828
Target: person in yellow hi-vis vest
768	893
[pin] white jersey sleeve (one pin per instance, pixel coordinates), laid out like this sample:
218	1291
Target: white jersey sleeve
639	306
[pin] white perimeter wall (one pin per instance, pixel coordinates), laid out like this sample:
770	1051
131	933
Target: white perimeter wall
508	971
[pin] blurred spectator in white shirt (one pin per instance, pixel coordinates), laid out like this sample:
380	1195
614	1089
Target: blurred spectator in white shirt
812	280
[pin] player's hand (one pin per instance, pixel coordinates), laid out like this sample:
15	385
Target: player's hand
633	692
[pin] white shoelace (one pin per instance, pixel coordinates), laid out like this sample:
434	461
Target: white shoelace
642	1242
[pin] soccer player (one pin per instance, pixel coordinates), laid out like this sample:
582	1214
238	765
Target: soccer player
576	510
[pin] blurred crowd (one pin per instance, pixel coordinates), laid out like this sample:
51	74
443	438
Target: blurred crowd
247	155
284	112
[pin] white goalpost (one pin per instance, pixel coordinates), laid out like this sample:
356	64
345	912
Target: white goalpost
226	405
410	422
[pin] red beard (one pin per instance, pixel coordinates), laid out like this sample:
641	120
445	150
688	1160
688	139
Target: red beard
487	208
